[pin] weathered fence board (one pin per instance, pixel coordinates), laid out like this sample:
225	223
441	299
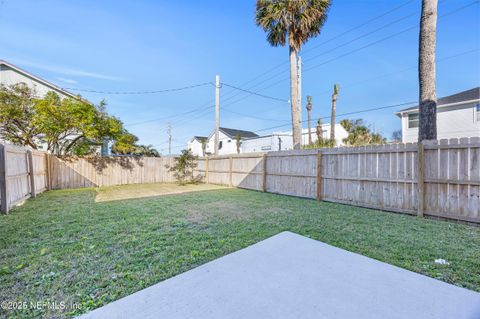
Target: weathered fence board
383	176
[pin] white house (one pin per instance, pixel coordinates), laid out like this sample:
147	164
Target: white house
11	74
195	145
458	115
226	140
281	141
274	142
251	142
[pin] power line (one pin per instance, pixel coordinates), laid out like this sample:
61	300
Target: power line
344	114
140	92
353	51
252	116
255	93
200	108
359	26
403	70
327	41
366	80
325	62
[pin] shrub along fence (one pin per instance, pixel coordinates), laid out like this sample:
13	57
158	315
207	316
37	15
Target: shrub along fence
435	178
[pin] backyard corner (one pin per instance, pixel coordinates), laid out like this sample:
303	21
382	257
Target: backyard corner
68	245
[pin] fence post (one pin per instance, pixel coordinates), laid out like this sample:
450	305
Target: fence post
206	170
230	164
3	180
31	173
421	178
48	171
319	175
264	172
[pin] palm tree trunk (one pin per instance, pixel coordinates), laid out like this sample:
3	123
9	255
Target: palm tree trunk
296	109
309	130
426	72
332	125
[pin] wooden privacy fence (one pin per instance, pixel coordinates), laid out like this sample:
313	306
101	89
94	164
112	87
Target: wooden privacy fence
108	171
435	178
23	173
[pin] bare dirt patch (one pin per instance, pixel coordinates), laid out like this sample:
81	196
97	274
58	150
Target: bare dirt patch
106	194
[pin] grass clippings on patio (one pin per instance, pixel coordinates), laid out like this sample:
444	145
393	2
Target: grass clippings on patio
64	246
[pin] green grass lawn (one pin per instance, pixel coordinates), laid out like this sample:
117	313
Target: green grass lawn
64	246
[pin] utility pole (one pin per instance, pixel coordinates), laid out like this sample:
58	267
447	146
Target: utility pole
217	111
169	132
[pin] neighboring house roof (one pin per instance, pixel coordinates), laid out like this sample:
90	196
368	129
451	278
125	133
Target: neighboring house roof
198	138
36	78
465	96
230	132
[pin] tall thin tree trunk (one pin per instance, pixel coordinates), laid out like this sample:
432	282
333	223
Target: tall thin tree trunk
426	72
332	125
296	109
309	129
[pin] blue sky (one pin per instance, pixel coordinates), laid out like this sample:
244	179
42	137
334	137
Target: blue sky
154	45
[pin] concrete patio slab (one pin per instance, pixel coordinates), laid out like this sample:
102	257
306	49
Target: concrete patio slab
291	276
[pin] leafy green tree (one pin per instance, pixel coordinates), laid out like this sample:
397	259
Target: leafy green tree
17	115
67	126
125	144
359	134
293	22
183	167
146	150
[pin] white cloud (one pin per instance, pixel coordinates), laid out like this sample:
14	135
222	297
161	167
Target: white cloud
68	81
68	70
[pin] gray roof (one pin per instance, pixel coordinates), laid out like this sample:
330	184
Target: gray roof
468	95
200	138
230	132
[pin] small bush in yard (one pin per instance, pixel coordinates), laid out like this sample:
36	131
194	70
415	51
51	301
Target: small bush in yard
183	168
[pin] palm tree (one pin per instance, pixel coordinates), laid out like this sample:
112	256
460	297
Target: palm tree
204	145
238	142
334	112
319	131
309	109
426	71
292	21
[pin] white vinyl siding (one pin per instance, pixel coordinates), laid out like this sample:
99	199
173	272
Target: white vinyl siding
455	121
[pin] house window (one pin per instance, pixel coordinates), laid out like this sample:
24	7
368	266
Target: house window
477	111
413	120
220	144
